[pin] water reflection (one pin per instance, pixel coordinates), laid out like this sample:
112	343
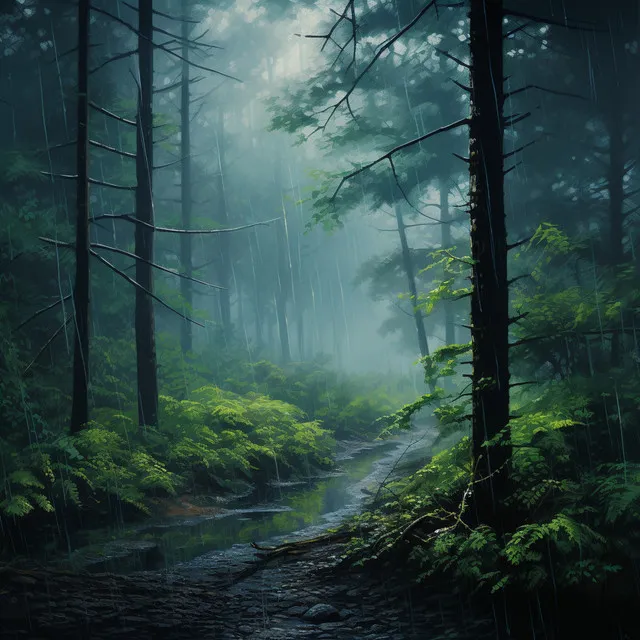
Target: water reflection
282	510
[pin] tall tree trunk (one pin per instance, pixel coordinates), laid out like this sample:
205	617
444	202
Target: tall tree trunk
409	270
282	289
258	306
301	335
283	274
144	314
489	298
615	186
223	238
186	336
449	321
80	403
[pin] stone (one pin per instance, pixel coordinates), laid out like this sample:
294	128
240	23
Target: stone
297	610
321	613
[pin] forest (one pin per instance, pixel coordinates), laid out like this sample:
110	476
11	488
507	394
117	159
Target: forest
318	319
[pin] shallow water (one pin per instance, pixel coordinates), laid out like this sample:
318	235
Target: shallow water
289	512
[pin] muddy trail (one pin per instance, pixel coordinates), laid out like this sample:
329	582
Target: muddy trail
223	590
302	596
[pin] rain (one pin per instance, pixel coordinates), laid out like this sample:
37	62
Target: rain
318	319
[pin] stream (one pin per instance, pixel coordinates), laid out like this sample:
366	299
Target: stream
282	511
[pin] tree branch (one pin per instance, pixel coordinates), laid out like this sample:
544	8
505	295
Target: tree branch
53	305
401	147
139	286
119	56
109	114
554	92
387	44
129	218
128	254
100	145
48	342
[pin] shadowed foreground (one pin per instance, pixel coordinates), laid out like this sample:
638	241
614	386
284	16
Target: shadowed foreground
278	601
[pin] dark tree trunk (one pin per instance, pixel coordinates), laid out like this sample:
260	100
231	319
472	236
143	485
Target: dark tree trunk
449	321
489	299
144	314
407	265
186	336
223	238
80	403
615	186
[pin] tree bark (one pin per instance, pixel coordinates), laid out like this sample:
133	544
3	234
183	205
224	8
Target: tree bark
489	299
81	298
144	236
186	289
223	238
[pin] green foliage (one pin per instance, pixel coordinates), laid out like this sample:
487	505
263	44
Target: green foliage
575	463
348	407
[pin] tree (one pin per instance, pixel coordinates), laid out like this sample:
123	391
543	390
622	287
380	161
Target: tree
186	260
81	297
144	233
490	296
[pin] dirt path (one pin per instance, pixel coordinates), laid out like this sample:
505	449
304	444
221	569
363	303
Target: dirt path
293	597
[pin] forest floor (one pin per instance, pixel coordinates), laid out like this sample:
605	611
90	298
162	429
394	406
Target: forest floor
302	596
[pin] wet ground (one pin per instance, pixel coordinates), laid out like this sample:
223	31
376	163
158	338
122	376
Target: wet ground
294	597
206	583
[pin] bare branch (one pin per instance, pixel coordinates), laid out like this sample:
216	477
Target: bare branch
510	169
519	149
99	183
401	147
62	145
53	305
170	164
510	121
100	145
519	243
119	56
139	286
130	218
128	254
387	44
550	21
452	57
48	342
554	92
109	114
178	83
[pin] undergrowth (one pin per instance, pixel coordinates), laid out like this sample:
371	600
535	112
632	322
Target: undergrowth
574	472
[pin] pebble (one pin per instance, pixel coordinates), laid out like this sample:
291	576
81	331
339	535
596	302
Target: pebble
321	613
297	601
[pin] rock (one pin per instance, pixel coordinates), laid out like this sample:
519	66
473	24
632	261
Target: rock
297	611
321	613
346	613
330	626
